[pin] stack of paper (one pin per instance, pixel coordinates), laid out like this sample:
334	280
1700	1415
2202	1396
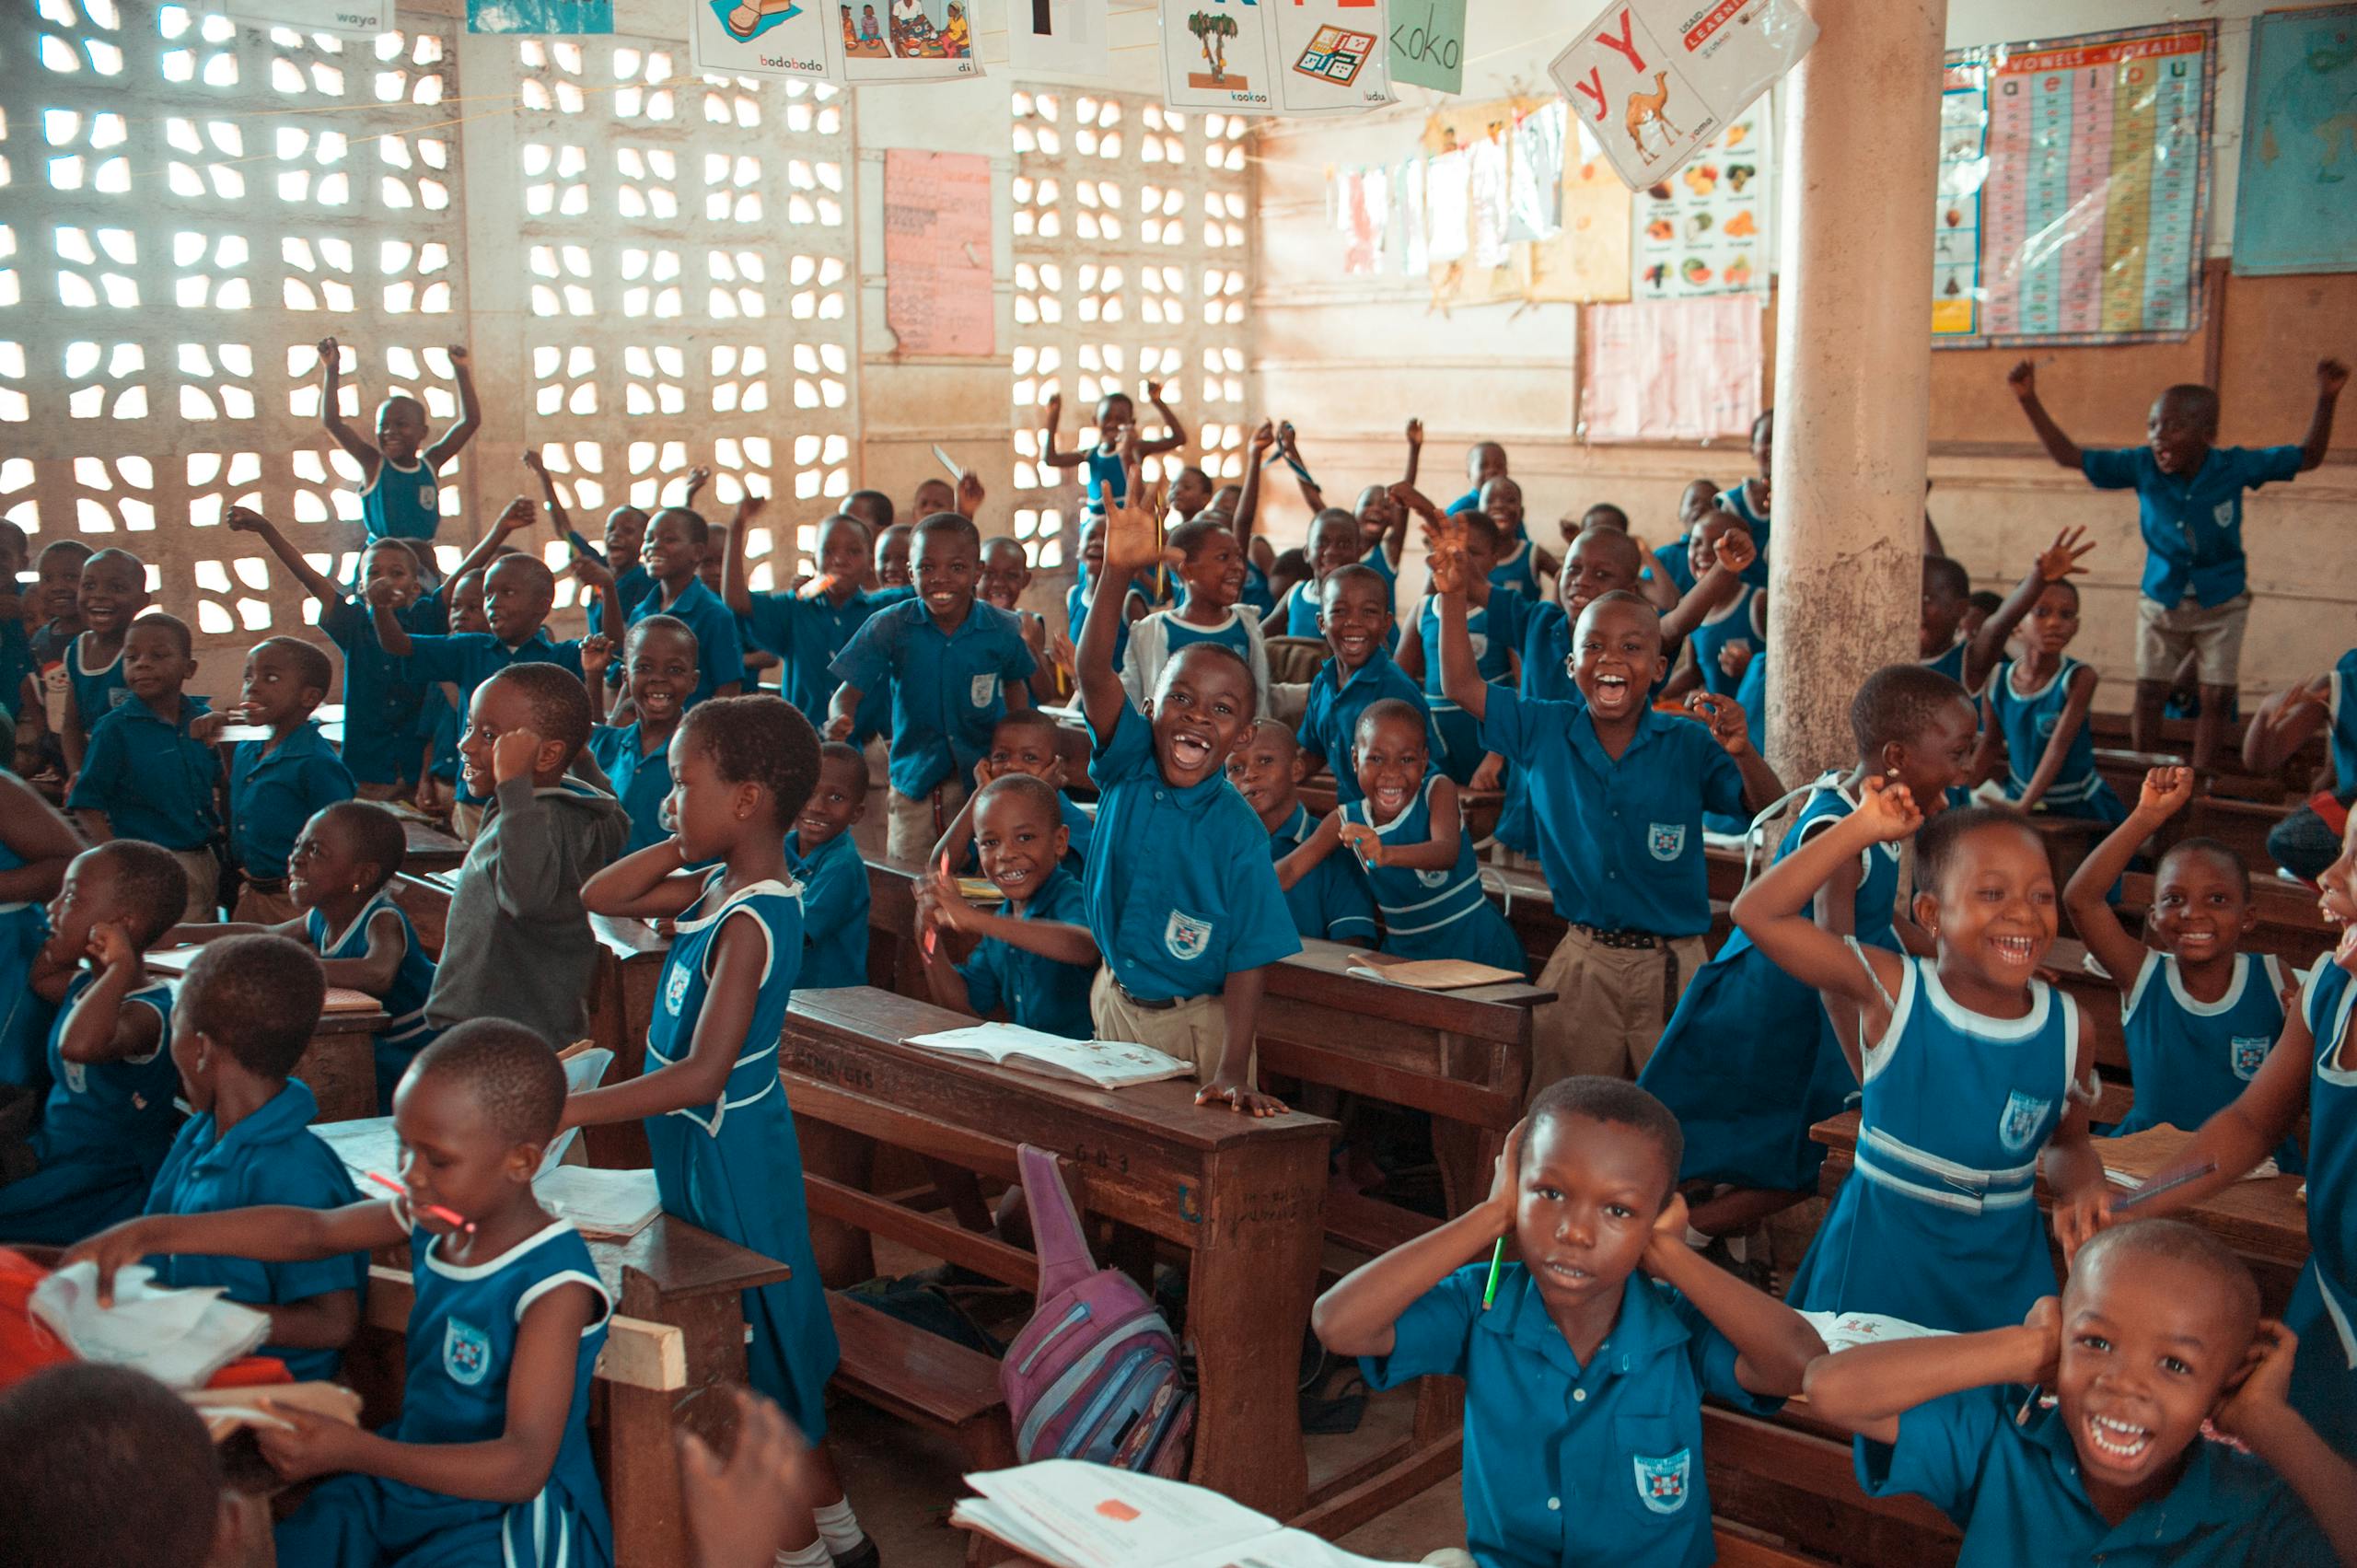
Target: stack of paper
599	1203
1072	1515
180	1338
1432	975
1848	1331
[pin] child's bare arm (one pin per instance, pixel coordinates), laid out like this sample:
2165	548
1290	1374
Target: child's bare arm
100	1027
470	412
270	1233
1435	854
374	969
244	519
648	884
559	523
514	519
2058	745
1175	438
2286	721
1775	1345
1231	1082
362	450
1357	1315
391	635
1867	1389
1733	556
941	976
2023	379
326	1322
1130	546
1774	912
1312	495
1723	714
1410	655
742	957
42	841
2164	796
736	584
2069	1163
1415	452
1247	503
1311	852
2332	376
1047	453
2062	559
2259	1415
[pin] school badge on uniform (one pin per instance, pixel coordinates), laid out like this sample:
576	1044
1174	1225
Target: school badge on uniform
1186	936
1667	839
466	1352
982	690
1433	878
429	498
1661	1483
675	990
2245	1055
2023	1116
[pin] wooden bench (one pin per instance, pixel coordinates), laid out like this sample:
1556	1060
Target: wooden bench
1239	1196
1794	1478
926	1380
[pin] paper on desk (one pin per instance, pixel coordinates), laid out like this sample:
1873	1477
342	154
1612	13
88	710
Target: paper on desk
180	1338
1848	1331
598	1202
1432	975
583	1069
1076	1515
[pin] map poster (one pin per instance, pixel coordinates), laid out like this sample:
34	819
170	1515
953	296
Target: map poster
2295	207
1704	230
2085	222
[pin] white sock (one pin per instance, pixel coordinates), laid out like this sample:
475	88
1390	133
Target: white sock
1696	1239
839	1530
811	1556
1739	1248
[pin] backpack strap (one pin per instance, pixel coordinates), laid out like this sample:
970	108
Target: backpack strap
1056	1234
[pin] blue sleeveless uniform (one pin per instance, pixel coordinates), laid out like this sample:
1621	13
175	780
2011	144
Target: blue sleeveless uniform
381	704
104	1131
24	1018
2322	1312
1076	601
2028	718
1106	479
1517	572
402	504
1731	622
1546	648
462	1331
1496	631
734	1166
2189	1060
2343	737
406	1033
1938	1224
1297	615
1738	501
1255	589
97	692
1436	914
1749	1061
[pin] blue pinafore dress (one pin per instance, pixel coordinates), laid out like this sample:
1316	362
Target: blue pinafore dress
1938	1224
1748	1061
1496	630
2324	1303
2191	1060
1731	622
734	1166
407	1033
1436	914
2027	720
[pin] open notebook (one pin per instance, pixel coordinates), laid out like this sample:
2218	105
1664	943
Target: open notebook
1068	1513
1108	1065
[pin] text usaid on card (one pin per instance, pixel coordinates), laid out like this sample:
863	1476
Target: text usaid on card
1657	80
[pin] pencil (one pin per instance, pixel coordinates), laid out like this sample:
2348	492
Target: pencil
1497	1262
450	1218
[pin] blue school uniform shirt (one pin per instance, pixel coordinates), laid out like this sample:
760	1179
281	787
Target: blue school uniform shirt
1565	1463
1435	915
834	910
1620	842
401	503
15	664
1255	589
806	634
2193	526
97	692
1496	631
1330	724
632	587
1175	925
1674	561
2189	1060
466	659
153	779
948	688
271	1157
2015	1490
719	659
1517	572
24	1016
2027	720
642	780
381	698
1076	601
1037	991
406	1032
273	793
1331	902
1738	501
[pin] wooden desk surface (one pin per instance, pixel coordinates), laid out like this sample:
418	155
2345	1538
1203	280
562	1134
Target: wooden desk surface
425	847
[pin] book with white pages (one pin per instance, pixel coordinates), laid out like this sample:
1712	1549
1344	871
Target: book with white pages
1106	1063
598	1202
1069	1514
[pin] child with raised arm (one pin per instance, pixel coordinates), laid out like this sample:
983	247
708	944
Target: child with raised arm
659	671
399	473
1406	831
1108	466
1355	622
2196	596
1751	1059
827	866
1585	1363
624	538
1026	741
151	771
1495	621
112	591
276	784
1748	498
489	1459
2037	702
2139	1419
1187	935
1975	1072
1135	605
1034	959
2199	1015
54	610
722	1137
1210	572
1330	899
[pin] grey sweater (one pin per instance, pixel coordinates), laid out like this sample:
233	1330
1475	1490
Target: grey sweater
518	944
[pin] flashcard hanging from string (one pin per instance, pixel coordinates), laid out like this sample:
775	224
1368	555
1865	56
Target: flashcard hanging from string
1071	38
765	38
908	40
359	19
1218	54
1332	58
1659	83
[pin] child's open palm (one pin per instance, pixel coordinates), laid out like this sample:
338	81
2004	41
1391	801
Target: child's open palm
2165	792
2066	556
1054	413
1505	1176
110	945
1887	810
1416	433
1133	537
1725	717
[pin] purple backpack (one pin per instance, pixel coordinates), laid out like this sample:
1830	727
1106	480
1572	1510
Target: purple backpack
1095	1374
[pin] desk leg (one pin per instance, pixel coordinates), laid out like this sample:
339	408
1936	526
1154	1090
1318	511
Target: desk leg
1247	1298
642	1467
847	1253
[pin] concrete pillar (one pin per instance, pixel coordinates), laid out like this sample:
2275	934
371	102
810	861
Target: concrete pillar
1852	367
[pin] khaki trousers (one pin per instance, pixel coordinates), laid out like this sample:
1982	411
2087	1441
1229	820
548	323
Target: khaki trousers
1611	1006
913	824
1194	1031
203	869
256	908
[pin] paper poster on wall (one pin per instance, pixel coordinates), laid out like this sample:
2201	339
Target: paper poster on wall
2293	210
1659	84
1588	259
1069	37
1534	181
938	298
908	40
1672	370
359	19
1428	43
1331	58
546	17
764	37
1218	54
1363	214
1704	230
2073	187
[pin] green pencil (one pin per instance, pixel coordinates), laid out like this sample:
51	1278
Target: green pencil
1497	1262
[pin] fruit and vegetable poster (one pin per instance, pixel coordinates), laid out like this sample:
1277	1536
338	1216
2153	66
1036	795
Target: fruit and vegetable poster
2073	187
1704	230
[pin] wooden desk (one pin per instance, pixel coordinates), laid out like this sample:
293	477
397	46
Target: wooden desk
1241	1196
427	848
339	1066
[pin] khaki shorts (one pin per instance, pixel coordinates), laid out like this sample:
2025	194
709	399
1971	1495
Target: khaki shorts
1194	1031
466	820
912	825
2165	635
203	869
1612	1004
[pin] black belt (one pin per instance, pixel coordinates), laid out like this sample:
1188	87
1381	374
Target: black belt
1164	1005
1604	939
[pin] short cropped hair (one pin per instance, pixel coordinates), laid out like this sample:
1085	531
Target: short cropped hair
375	832
1389	708
2181	1243
1766	421
1988	601
1615	1101
1619	541
1589	518
1351	572
72	547
1476	521
1333	517
2218	850
507	1070
558	703
152	882
1898	702
2201	400
1038	792
1027	718
837	751
173	627
671	624
1942	839
698	529
955	523
1948	578
876	501
103	1466
1216	650
401	545
758	739
1190	537
311	666
258	997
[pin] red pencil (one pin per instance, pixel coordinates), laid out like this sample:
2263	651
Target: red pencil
933	932
450	1218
